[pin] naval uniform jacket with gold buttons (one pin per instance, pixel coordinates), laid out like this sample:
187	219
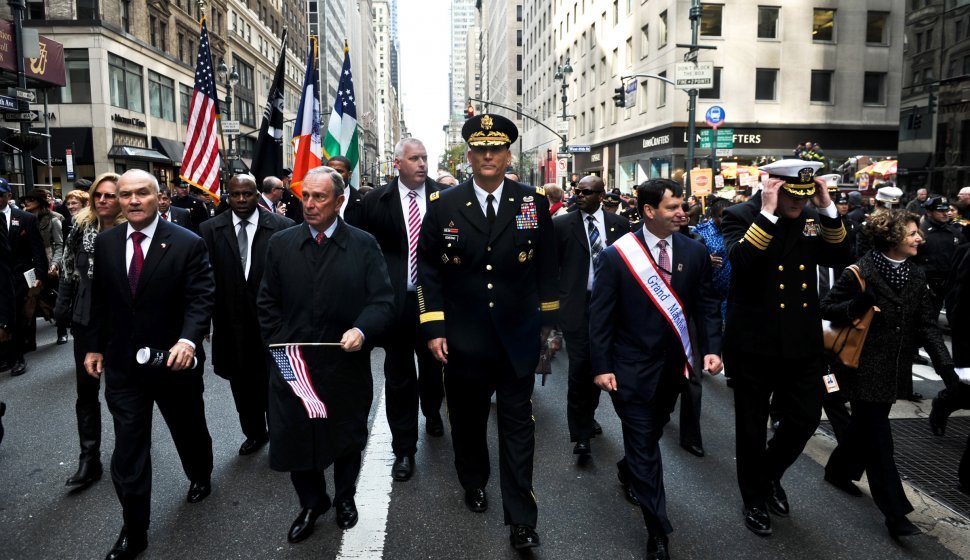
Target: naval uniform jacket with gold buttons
773	304
481	286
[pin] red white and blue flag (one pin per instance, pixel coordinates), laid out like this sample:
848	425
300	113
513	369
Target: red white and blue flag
296	373
307	149
201	162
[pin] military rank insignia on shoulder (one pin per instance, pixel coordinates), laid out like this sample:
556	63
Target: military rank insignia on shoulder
434	196
540	191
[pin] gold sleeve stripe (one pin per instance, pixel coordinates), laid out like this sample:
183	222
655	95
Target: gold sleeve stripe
764	235
833	235
752	239
549	306
432	316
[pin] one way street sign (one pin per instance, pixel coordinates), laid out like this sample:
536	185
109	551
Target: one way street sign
21	117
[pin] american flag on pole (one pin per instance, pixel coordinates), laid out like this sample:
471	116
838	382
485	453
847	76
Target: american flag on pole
307	151
201	162
296	373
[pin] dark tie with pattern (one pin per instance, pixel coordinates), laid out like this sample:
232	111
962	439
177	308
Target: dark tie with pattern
242	239
664	260
3	223
137	260
595	246
490	209
320	237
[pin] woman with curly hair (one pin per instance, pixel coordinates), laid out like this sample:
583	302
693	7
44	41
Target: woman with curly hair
905	321
74	306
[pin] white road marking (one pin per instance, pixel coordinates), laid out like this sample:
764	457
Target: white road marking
366	539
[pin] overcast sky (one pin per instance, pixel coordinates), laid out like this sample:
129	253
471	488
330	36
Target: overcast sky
423	31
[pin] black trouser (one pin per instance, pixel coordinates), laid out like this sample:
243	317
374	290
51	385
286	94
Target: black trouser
20	333
582	395
868	447
937	286
643	423
796	386
311	486
405	384
948	401
690	399
250	389
130	397
87	407
469	385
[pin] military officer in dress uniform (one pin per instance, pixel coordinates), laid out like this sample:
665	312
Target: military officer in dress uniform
773	341
940	240
486	297
184	199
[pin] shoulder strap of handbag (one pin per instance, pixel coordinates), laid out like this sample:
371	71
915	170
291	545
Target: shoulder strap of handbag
855	270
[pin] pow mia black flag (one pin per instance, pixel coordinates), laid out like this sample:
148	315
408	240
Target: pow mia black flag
268	154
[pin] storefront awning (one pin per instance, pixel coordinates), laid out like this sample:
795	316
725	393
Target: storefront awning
138	154
171	148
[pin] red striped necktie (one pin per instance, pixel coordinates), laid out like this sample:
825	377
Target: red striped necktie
414	228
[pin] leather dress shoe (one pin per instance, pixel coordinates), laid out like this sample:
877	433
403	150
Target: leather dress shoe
902	527
252	445
757	520
938	418
62	339
623	477
128	545
523	536
347	514
915	397
302	527
476	500
778	501
88	471
695	450
844	484
198	491
658	547
597	429
434	426
19	367
403	468
582	447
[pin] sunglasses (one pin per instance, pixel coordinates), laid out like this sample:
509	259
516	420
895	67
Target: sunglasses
587	192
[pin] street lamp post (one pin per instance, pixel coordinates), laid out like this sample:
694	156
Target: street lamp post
17	9
562	74
230	78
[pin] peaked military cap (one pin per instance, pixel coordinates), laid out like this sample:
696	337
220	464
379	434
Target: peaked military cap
489	130
798	174
889	195
937	203
831	182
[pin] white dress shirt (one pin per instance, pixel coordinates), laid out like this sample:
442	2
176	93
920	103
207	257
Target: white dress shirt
652	241
482	195
250	233
599	222
6	212
406	208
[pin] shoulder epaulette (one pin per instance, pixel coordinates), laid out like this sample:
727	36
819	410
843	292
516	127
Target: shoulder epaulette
541	191
434	196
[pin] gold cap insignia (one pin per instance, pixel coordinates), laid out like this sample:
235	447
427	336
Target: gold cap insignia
806	174
487	122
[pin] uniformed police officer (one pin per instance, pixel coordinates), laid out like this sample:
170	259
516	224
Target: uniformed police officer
773	341
940	240
486	297
196	207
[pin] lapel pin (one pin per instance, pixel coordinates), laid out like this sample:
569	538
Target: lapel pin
680	267
164	245
468	204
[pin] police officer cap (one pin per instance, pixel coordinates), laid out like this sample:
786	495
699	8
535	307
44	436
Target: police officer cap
611	199
798	174
4	186
937	203
831	182
843	199
489	131
889	195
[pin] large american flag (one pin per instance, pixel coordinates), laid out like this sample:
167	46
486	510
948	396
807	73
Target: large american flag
201	162
296	373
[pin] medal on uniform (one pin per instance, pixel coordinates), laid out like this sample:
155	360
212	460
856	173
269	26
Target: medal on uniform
811	228
522	257
456	260
527	218
531	253
444	259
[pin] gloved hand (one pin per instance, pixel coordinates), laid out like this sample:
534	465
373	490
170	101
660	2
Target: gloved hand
861	303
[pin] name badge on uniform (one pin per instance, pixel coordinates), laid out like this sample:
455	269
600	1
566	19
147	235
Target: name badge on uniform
527	218
811	228
831	385
14	222
450	234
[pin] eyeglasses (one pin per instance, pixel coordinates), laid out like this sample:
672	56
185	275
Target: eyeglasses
279	189
104	195
587	192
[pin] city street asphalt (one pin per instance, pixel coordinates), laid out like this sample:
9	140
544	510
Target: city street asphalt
582	513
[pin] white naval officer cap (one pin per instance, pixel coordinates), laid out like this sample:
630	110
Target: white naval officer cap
798	175
889	195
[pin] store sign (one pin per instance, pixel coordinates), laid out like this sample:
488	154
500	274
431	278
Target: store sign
128	121
596	157
654	141
69	162
701	181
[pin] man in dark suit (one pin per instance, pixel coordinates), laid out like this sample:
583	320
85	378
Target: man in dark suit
174	214
487	297
353	209
292	203
393	215
270	194
154	288
646	285
580	237
6	292
194	205
237	243
772	339
27	252
325	281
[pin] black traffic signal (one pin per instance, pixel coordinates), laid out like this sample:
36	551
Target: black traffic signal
932	104
469	111
917	121
619	97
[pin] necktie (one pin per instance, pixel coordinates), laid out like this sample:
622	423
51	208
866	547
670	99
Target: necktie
414	228
594	238
664	260
165	216
319	238
242	239
489	209
3	223
137	260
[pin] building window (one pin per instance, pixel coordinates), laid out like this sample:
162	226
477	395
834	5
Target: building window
644	41
126	87
616	12
35	9
518	86
518	37
181	47
87	9
185	99
662	90
126	15
768	22
715	91
642	102
874	89
592	119
77	74
766	80
245	111
592	36
163	36
518	12
161	96
662	30
603	115
629	51
603	70
877	28
246	80
153	36
711	19
823	25
821	90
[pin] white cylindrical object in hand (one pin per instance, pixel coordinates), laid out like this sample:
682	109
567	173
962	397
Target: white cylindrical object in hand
154	357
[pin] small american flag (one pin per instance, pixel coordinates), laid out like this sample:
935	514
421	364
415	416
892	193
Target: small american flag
296	373
201	162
